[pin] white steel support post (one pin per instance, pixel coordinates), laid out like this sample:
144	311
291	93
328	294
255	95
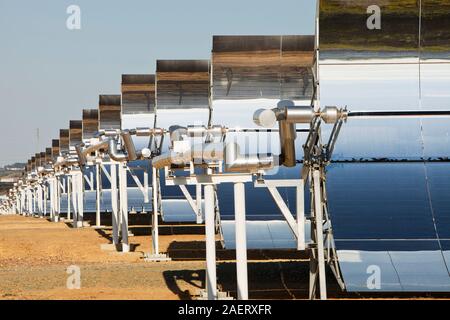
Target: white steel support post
97	195
30	201
155	233
300	208
74	180
155	255
241	241
198	195
69	183
318	224
39	200
35	201
210	231
51	197
58	199
114	205
23	197
80	195
123	206
57	193
51	183
45	199
34	210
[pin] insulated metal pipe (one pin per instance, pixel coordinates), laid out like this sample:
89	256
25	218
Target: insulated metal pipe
104	144
235	162
400	113
129	145
287	143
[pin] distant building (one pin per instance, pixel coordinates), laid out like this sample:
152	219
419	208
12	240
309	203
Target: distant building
15	167
9	179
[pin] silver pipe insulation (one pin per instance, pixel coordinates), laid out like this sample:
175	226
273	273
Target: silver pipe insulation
109	144
129	146
199	154
236	162
114	154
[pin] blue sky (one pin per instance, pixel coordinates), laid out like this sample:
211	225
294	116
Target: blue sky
49	73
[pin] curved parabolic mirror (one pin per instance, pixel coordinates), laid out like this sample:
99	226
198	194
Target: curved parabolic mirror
55	149
90	128
39	159
90	124
28	167
138	104
182	99
33	163
64	151
138	111
109	109
249	73
182	93
435	75
109	118
64	141
48	155
75	134
386	185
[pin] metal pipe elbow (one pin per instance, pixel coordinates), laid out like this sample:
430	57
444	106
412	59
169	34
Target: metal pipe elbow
114	154
177	132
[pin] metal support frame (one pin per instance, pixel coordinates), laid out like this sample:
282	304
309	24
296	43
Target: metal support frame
98	186
114	204
241	241
58	198
297	225
209	182
196	205
155	234
210	235
77	197
39	200
155	255
322	251
123	204
143	187
30	201
198	198
45	193
68	186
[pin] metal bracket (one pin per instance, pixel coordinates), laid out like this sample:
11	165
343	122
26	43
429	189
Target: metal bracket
297	225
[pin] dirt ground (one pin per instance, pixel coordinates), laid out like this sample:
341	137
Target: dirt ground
35	255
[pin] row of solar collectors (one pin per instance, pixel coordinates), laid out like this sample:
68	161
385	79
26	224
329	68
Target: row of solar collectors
402	231
390	210
280	70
